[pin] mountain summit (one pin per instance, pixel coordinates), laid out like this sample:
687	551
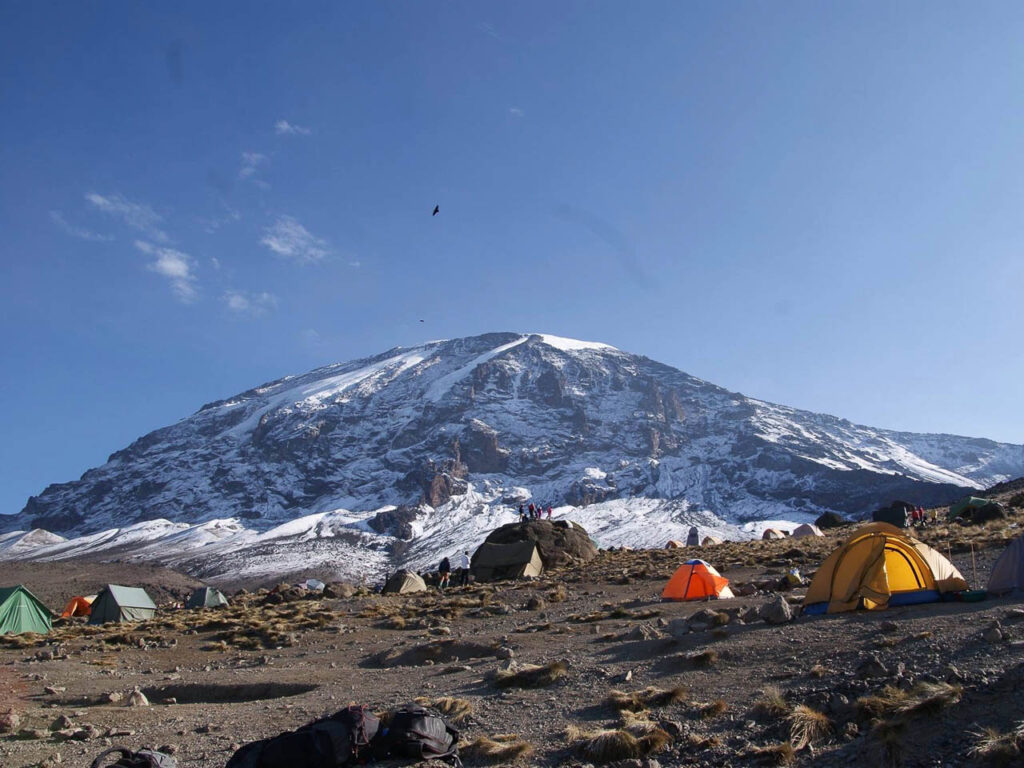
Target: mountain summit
508	417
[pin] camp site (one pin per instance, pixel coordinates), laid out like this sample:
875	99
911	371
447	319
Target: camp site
867	603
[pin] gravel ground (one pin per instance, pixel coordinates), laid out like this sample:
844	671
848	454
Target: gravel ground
604	620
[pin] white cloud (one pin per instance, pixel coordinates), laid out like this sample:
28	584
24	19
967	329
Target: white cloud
175	266
254	304
284	128
515	111
286	237
136	215
355	264
251	164
83	234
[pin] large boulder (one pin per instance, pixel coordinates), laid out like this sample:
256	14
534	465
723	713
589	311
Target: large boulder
559	542
831	520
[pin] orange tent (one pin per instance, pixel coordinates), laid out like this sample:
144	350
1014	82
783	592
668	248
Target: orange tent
696	580
78	606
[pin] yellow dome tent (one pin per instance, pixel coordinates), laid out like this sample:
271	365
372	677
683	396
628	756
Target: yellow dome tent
878	566
696	580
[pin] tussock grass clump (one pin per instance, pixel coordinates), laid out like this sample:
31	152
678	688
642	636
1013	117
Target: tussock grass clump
456	710
395	622
996	748
531	675
772	704
716	708
616	744
637	701
558	594
818	671
922	699
775	754
502	748
700	743
807	726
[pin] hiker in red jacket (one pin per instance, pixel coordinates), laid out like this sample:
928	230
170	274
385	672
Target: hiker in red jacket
532	511
549	511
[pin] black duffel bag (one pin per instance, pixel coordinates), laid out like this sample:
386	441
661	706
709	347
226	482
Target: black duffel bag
418	733
339	740
144	758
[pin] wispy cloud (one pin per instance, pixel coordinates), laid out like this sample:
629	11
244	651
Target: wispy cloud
515	112
138	216
176	266
252	162
488	29
284	128
287	237
252	304
80	232
311	339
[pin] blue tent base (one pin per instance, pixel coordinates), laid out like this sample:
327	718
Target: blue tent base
916	597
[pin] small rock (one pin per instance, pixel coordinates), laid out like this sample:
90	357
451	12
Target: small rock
33	733
61	722
137	698
777	612
871	667
993	635
115	697
9	721
889	626
53	690
52	761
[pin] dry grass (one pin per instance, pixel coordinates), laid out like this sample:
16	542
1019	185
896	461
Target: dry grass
772	704
818	671
775	754
616	744
922	699
637	701
714	709
558	594
807	726
531	675
1000	749
502	748
456	710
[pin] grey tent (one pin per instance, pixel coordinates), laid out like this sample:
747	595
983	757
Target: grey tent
1008	572
693	537
806	530
492	562
404	582
117	603
206	597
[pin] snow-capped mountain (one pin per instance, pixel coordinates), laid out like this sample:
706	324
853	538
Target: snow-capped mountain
406	443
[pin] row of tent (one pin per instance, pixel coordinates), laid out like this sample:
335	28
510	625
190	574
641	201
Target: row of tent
21	611
491	562
693	538
876	567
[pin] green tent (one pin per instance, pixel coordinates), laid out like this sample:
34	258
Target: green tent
117	603
206	597
21	611
971	502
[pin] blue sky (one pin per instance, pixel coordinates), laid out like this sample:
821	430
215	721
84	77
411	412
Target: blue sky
811	203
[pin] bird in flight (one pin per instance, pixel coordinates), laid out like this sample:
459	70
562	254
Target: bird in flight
437	208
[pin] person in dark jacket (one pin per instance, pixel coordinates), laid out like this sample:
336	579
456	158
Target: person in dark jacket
444	571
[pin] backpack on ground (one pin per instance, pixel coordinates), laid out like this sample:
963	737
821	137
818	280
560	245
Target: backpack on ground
341	739
144	758
421	734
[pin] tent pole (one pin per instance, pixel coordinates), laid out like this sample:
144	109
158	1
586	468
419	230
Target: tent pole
974	566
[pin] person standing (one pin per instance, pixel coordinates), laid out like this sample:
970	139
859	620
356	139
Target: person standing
444	571
464	565
549	511
522	514
531	510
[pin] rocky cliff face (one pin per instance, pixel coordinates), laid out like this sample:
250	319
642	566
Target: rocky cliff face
512	416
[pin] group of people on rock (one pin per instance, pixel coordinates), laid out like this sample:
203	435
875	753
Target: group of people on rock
533	512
